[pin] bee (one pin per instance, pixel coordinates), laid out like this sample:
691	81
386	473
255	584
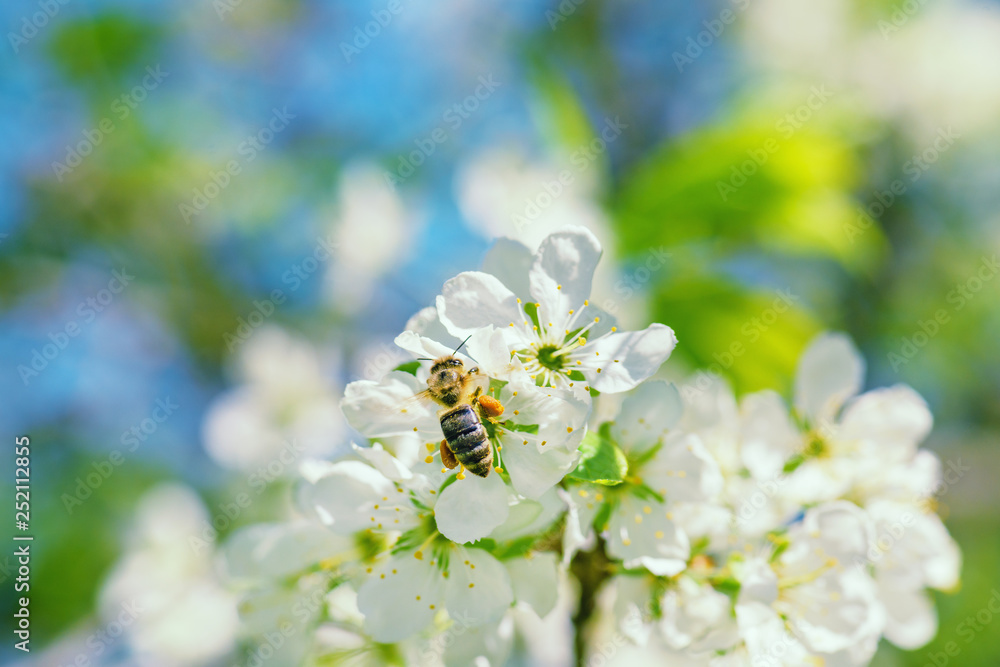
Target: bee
464	407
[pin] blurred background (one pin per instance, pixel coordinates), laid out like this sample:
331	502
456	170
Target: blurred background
214	215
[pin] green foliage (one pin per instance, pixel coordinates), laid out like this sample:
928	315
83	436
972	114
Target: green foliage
92	48
602	461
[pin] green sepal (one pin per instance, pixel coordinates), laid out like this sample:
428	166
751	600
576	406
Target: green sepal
409	367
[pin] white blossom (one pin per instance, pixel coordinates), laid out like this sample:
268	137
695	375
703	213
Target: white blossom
561	339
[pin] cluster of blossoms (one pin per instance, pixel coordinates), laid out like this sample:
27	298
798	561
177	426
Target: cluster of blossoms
722	533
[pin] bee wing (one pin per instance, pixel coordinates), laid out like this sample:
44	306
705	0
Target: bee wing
420	398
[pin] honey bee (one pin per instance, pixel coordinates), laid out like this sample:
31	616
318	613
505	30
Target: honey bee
460	394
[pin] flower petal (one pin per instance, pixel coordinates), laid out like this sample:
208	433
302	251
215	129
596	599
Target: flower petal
535	581
478	589
341	498
830	371
893	419
273	551
533	469
769	436
510	261
639	354
647	539
384	408
911	620
563	271
684	469
469	509
474	299
646	415
383	461
421	346
401	598
427	323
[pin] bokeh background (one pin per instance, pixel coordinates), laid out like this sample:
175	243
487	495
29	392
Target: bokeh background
213	215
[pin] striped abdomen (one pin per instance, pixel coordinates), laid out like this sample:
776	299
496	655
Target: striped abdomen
467	439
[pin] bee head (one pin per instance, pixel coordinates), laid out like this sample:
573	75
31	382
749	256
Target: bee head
447	363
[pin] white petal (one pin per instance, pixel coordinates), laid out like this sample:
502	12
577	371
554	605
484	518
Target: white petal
385	408
478	588
835	613
563	271
646	415
708	403
510	261
830	371
388	599
685	469
894	420
560	415
633	608
535	581
638	353
696	617
912	621
427	324
529	517
472	300
647	539
383	461
764	631
770	437
485	645
421	346
341	499
491	351
579	533
758	582
272	551
535	469
469	509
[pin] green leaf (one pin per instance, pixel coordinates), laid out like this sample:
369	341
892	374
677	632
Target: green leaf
409	367
603	462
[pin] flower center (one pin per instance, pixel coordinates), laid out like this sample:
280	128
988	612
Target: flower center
817	447
547	356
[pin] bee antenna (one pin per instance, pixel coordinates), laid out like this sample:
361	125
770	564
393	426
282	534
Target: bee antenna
423	359
463	344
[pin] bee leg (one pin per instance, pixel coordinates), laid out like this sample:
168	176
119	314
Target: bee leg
447	457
